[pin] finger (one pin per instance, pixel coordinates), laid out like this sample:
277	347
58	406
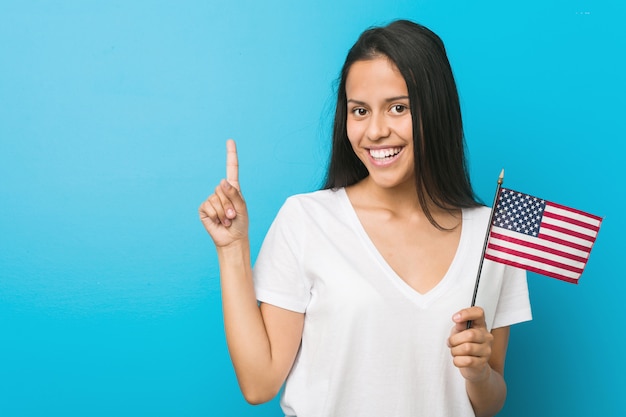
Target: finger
478	363
207	212
466	349
232	164
230	198
217	205
471	336
481	351
474	314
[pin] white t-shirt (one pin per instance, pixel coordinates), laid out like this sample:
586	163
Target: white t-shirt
371	345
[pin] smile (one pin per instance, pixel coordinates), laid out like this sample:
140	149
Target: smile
386	154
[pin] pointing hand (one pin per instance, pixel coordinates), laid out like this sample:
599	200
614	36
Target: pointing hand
224	214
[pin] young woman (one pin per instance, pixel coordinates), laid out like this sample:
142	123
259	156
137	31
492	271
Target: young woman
358	300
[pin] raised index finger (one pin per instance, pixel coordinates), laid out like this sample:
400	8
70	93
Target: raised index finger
232	164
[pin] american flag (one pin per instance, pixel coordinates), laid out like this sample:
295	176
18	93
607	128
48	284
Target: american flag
539	236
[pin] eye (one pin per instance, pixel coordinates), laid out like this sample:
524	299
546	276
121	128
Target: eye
399	108
359	112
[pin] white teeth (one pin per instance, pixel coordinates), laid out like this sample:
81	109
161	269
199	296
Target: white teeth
384	153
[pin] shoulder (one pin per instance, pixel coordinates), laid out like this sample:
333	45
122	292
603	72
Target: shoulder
300	211
319	196
477	213
316	200
305	217
476	217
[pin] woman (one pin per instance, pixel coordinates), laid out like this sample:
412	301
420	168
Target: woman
363	286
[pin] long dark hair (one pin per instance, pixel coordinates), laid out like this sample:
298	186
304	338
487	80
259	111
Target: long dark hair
441	171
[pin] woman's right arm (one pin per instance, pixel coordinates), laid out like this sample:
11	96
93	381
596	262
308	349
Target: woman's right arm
262	341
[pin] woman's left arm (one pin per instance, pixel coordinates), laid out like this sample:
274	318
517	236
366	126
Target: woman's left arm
480	356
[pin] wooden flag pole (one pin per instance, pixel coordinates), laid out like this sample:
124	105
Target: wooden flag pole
482	257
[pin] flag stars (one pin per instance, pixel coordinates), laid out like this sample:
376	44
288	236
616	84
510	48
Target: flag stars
518	212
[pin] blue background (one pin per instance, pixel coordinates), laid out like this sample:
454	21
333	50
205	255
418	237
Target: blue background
113	118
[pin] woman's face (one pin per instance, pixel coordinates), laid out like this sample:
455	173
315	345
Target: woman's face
379	123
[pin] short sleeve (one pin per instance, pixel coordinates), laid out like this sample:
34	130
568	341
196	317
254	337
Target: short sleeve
514	303
277	273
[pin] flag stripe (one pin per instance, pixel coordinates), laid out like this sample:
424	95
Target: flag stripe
526	263
581	213
572	221
569	243
571	218
570	233
541	240
537	248
568	278
539	259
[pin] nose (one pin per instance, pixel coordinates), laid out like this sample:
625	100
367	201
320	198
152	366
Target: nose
378	127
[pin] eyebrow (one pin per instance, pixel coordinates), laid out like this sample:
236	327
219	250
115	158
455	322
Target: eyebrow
387	100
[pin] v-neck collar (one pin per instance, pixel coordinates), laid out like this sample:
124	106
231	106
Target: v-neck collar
422	300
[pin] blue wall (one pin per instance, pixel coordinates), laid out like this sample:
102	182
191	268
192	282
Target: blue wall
113	117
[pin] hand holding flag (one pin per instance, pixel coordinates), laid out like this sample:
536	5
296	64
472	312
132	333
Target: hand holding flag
536	235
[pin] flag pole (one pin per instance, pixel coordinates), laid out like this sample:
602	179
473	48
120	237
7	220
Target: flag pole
482	257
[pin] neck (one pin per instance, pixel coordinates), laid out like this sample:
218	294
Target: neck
402	198
402	201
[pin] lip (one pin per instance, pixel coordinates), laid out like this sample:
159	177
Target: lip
383	156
